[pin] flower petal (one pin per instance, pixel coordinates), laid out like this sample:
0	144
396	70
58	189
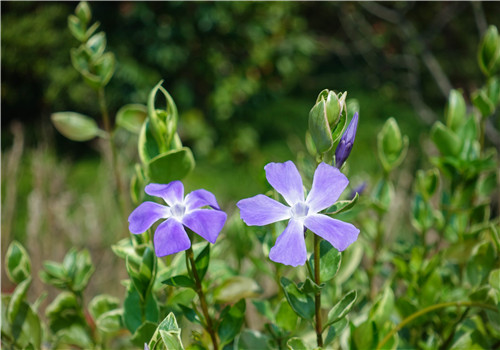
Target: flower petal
290	246
172	193
285	179
146	215
261	210
200	198
340	234
170	237
328	185
205	222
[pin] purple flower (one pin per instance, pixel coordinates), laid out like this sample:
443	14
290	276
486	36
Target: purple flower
290	247
170	236
346	141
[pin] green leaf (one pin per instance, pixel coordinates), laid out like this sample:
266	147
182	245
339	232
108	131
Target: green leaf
482	102
309	286
335	330
202	261
148	266
76	126
143	334
132	311
63	312
231	321
480	264
97	44
342	206
296	344
17	298
76	27
264	308
172	339
445	140
105	67
494	279
383	195
320	128
383	307
392	146
330	259
180	281
251	339
83	270
235	288
190	314
341	309
131	117
455	111
163	121
302	304
427	182
286	318
26	329
148	146
489	51
364	336
110	321
54	274
101	304
74	334
170	166
83	12
18	263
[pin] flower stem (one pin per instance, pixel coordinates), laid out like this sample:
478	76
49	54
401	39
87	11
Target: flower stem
201	296
317	297
122	198
430	309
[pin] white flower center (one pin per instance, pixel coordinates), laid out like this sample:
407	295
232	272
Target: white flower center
177	210
299	210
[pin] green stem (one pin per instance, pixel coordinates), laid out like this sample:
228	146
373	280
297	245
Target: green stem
199	290
112	147
317	297
430	309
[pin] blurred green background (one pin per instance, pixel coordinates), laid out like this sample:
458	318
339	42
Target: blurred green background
244	76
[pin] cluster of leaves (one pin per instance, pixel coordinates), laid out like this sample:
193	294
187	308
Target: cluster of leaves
451	258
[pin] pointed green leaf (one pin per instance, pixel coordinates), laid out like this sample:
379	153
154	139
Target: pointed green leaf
445	140
17	298
231	321
296	344
286	318
101	304
341	309
330	259
455	111
202	261
83	12
97	44
335	330
143	334
342	206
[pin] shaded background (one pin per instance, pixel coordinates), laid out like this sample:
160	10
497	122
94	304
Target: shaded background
244	76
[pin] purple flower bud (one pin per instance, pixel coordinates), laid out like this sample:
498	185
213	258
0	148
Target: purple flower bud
345	145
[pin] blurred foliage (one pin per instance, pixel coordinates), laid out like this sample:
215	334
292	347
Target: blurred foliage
237	61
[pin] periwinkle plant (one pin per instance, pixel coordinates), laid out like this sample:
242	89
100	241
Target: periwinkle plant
179	260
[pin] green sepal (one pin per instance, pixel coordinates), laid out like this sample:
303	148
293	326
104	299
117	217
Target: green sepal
319	127
17	262
302	304
341	309
232	318
76	126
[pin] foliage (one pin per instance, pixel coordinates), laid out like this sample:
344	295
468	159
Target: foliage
424	273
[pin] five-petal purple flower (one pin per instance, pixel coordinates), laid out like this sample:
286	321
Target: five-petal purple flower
290	247
170	236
